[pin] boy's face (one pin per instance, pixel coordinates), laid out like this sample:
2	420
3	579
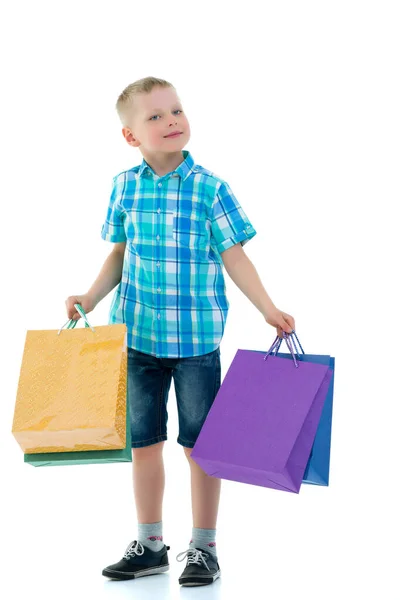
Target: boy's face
155	115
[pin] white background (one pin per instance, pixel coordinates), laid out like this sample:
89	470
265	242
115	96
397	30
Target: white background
296	105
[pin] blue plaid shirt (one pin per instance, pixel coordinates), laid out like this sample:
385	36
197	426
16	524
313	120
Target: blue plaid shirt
172	294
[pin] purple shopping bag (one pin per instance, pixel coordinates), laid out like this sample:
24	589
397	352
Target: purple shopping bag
262	424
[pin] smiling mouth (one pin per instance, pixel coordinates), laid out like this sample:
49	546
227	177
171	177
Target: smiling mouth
173	135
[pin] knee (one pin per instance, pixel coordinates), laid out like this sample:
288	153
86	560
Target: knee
187	451
148	452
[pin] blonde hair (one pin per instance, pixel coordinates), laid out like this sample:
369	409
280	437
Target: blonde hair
126	100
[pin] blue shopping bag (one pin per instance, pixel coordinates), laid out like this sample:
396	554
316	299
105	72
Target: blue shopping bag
317	469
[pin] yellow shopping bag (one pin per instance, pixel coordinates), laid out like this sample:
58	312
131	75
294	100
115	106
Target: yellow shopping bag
72	390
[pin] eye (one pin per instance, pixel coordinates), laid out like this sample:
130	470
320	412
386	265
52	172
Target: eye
151	118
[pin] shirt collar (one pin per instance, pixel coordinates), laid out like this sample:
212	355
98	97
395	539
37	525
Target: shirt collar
183	170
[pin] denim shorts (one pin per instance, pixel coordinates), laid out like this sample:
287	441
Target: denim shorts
197	380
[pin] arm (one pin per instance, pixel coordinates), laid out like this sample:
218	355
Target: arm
243	273
110	274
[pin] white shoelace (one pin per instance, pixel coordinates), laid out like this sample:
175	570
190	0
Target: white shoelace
194	557
134	548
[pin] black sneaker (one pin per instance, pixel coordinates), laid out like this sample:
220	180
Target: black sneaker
201	568
139	561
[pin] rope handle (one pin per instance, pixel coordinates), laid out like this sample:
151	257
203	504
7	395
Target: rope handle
71	323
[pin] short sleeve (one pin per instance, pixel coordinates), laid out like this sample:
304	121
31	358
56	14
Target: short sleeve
113	227
229	223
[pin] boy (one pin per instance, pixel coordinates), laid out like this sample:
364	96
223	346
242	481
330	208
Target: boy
174	226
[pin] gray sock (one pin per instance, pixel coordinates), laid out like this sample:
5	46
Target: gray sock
205	540
150	535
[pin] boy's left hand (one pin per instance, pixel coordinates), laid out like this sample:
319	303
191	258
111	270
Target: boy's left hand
282	321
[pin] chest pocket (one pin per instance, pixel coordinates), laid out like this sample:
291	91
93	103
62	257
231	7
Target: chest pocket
190	230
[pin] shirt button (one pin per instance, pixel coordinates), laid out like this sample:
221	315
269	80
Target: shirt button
158	316
158	265
159	210
160	185
159	290
158	238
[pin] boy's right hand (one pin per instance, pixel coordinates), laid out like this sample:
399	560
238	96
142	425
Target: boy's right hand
85	301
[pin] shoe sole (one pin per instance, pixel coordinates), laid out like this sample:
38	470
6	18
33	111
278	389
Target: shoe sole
198	579
119	575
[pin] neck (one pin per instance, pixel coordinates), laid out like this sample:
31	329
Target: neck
163	163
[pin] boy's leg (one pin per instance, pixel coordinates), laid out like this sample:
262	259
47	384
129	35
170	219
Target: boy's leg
197	381
148	482
148	386
206	493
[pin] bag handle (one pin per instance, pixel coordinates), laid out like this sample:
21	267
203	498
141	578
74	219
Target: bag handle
71	323
294	343
277	343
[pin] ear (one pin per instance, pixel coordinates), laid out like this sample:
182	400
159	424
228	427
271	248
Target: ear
129	137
